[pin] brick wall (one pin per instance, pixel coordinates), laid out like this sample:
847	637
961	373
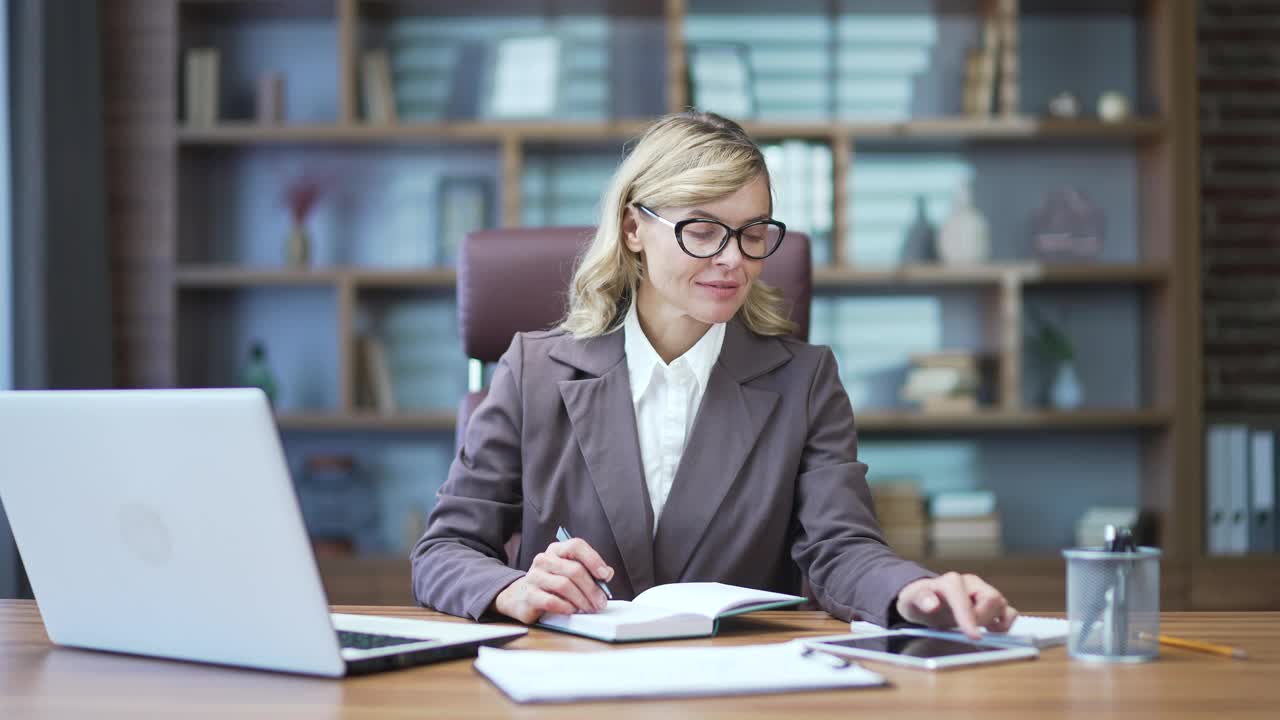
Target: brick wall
1239	74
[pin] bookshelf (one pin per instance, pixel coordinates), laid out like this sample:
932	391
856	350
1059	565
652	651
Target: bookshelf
200	280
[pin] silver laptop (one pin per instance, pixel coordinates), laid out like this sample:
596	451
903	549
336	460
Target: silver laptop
164	523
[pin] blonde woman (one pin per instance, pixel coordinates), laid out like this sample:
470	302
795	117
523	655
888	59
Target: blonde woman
672	424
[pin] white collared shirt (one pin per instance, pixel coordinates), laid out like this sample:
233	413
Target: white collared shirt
666	399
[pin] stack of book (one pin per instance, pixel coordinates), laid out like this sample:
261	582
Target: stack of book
991	70
943	382
1091	529
964	524
801	175
900	510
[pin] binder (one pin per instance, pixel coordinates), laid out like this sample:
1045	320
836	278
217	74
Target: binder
1215	490
1262	498
1238	492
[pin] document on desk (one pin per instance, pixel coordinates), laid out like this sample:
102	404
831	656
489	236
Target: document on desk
545	676
675	610
1027	630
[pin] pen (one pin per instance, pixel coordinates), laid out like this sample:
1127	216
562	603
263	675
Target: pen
1197	645
563	536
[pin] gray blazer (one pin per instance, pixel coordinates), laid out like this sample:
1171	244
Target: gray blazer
769	485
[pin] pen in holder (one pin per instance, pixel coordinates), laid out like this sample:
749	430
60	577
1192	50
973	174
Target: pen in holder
1113	600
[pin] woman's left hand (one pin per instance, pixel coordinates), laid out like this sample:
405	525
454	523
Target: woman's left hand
952	600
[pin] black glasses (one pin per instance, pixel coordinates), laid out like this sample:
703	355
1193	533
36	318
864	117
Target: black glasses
704	238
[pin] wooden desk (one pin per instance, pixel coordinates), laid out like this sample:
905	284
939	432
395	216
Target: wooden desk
42	681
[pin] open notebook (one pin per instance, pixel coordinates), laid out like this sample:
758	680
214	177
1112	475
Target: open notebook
545	676
1029	630
675	610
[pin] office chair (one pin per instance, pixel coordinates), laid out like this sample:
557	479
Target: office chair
517	279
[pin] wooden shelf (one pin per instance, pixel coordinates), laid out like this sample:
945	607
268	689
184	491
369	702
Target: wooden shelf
1012	129
442	421
477	131
1013	420
991	274
239	10
869	421
1246	582
366	579
1008	128
230	277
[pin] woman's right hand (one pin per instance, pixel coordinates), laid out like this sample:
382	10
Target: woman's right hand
560	580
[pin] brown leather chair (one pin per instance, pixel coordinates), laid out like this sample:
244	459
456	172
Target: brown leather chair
514	280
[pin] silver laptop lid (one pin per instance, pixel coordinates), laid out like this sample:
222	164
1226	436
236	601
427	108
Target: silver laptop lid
164	523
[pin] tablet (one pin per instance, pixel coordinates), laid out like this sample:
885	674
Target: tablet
922	649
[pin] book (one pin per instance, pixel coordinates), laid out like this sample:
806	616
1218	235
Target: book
675	610
269	109
1091	528
1262	498
1027	630
376	89
200	96
963	503
549	676
375	383
978	527
1007	29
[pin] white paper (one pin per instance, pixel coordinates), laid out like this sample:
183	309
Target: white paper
541	676
710	599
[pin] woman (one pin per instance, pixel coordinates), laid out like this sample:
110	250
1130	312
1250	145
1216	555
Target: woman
671	424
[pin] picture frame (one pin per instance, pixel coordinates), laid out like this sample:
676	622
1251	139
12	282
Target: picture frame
722	80
523	79
464	204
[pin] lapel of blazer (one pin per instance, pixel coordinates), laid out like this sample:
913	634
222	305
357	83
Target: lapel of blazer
604	423
729	422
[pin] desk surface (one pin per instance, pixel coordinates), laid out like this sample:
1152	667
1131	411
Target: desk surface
39	680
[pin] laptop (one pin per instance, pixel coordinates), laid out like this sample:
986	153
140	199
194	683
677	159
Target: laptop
164	523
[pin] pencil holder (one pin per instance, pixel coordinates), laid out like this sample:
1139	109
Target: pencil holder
1113	604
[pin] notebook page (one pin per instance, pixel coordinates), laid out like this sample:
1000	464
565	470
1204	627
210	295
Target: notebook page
623	620
546	676
1031	629
710	599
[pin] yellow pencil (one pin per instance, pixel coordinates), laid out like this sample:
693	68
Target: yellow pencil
1198	645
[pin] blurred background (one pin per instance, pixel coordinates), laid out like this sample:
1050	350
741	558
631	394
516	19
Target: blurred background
1044	235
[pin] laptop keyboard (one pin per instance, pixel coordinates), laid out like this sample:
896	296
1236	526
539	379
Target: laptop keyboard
369	641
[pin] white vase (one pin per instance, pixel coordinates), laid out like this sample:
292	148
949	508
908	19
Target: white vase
964	238
1066	392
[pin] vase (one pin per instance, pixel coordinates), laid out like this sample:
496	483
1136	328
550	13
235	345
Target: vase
298	246
257	372
921	242
1066	393
964	238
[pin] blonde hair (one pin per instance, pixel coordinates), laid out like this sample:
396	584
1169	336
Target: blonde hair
681	160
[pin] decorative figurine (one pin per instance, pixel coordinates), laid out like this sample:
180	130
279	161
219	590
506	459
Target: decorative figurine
1113	106
964	238
1064	105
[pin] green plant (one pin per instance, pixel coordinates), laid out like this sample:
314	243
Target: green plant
1049	340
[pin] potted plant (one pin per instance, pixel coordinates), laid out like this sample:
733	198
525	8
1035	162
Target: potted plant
300	197
1055	349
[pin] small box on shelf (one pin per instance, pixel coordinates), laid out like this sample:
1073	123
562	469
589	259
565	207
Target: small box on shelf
202	82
